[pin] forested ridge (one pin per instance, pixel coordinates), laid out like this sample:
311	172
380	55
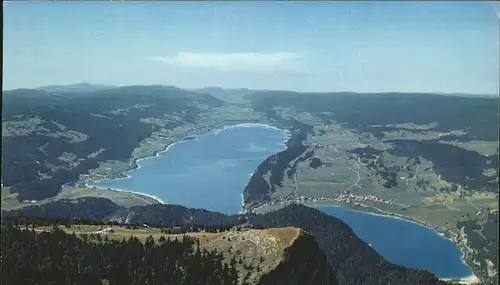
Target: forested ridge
455	164
91	257
482	235
59	258
258	189
352	260
304	264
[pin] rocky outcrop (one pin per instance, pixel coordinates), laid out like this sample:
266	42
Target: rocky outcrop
275	256
352	259
303	263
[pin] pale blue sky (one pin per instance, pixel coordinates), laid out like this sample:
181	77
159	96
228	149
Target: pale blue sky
305	46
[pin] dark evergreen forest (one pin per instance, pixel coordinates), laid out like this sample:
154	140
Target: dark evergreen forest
55	257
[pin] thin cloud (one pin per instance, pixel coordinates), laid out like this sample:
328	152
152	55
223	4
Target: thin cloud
496	7
232	61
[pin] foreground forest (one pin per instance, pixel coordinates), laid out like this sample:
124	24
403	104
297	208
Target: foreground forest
352	260
59	258
93	252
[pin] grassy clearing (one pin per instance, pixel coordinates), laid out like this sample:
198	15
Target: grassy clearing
21	128
452	201
491	172
124	199
285	235
409	126
228	115
484	200
121	232
251	248
482	147
486	196
447	209
441	199
9	200
121	198
437	216
5	191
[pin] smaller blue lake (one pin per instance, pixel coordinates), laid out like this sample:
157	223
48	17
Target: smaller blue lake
403	242
208	172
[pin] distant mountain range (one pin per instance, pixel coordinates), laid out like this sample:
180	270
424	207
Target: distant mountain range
76	88
216	91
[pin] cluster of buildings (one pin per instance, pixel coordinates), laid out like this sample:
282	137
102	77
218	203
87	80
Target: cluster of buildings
290	199
343	197
353	198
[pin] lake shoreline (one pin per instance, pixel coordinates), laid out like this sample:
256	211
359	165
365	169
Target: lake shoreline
143	196
193	135
371	210
471	279
126	175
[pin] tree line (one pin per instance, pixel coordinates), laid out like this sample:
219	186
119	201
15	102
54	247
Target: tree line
55	257
176	228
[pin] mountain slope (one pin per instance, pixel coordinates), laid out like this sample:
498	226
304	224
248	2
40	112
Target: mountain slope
273	256
303	263
238	256
352	260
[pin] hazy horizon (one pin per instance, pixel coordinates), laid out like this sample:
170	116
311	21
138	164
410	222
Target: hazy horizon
252	89
362	47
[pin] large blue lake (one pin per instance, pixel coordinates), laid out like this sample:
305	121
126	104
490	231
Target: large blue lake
208	172
211	172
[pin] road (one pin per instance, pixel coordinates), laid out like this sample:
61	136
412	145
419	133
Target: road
355	184
415	176
103	231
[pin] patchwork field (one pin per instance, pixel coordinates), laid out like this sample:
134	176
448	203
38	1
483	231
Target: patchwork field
417	191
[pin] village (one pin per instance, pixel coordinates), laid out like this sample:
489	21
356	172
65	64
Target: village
344	197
